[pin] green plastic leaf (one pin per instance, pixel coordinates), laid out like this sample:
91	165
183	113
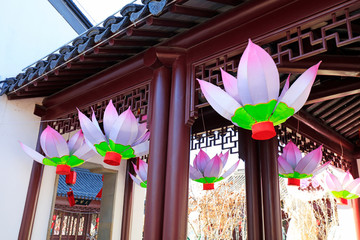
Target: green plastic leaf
344	194
102	148
281	113
144	184
126	152
219	179
242	118
296	175
49	162
262	111
74	161
200	180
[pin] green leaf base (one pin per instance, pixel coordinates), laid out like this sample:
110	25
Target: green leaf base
344	194
72	161
144	184
248	115
126	152
209	179
296	175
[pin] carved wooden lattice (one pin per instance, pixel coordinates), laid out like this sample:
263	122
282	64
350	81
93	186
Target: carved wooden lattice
228	138
136	98
324	33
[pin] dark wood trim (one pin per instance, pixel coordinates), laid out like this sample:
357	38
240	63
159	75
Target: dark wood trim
160	100
128	201
177	166
248	153
267	155
32	196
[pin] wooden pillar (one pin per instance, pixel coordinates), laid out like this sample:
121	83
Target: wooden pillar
128	196
177	167
32	194
268	151
248	152
160	95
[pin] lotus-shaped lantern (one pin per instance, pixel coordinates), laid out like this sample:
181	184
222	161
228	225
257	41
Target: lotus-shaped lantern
208	171
124	137
141	171
59	153
295	167
252	100
344	188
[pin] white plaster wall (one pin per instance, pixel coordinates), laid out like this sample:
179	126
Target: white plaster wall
138	212
17	122
29	31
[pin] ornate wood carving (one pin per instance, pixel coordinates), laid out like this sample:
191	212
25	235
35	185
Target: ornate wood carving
137	98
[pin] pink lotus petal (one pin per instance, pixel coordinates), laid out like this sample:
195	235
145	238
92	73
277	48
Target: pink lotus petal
94	121
110	116
348	178
224	157
352	186
136	180
201	160
231	170
90	129
284	166
142	139
53	144
76	141
285	89
230	85
85	152
292	154
32	153
309	163
321	168
214	167
242	77
143	169
141	149
299	91
262	75
141	131
219	100
194	173
333	183
125	128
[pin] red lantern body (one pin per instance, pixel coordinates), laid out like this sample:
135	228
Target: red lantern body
112	158
63	169
71	198
208	186
341	201
263	130
71	178
294	182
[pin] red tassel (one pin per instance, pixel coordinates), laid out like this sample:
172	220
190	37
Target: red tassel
71	198
71	178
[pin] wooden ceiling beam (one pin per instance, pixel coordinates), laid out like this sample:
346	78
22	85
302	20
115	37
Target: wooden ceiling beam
228	2
334	89
192	11
149	33
154	21
119	51
142	43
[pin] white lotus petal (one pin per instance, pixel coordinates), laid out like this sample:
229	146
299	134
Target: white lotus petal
284	90
141	149
309	163
219	100
284	165
53	144
85	152
75	142
231	170
90	129
136	180
333	183
125	128
94	121
230	85
299	91
32	153
110	116
242	78
262	75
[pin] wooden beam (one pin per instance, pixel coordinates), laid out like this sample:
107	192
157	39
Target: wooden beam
169	22
192	11
122	42
228	2
149	33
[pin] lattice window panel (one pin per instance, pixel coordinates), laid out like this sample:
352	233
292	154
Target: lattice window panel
137	99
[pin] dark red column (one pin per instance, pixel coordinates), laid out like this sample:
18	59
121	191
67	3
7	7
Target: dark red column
160	91
32	196
248	152
268	151
177	167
